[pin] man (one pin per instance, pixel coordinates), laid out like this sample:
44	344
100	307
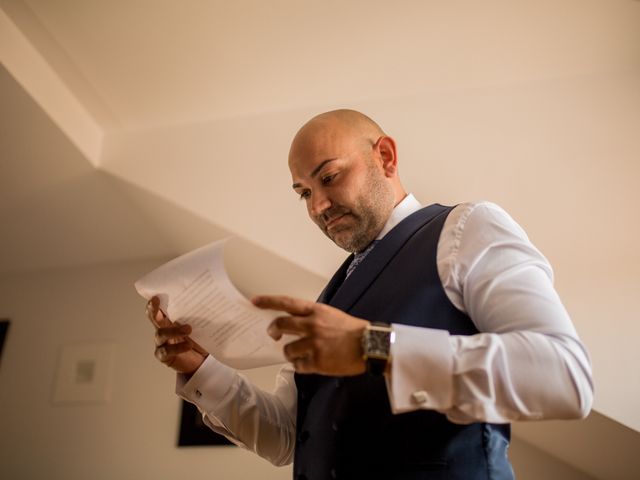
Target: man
469	333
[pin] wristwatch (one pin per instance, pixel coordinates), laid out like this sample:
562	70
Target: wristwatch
376	346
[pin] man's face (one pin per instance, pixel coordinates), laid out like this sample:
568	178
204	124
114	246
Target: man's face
345	190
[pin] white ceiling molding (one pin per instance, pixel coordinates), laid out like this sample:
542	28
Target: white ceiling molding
44	85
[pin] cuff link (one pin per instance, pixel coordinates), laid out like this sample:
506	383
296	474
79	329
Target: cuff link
420	397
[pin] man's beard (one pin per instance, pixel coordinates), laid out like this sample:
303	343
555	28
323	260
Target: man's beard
368	215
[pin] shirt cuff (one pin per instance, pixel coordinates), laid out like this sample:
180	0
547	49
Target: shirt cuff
208	385
421	369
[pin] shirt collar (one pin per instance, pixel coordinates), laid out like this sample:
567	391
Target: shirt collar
402	210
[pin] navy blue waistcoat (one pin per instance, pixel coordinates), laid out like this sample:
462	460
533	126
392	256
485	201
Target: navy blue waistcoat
345	427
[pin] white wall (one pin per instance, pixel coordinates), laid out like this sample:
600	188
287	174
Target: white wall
131	437
531	463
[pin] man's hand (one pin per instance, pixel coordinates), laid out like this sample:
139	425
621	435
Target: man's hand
330	340
174	348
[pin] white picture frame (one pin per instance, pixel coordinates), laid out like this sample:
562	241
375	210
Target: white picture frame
84	373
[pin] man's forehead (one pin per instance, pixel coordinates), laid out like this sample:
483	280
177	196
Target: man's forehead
318	136
309	152
307	167
332	135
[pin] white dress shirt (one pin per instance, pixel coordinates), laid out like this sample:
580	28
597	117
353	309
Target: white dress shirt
527	362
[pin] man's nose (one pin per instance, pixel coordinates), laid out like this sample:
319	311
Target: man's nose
318	204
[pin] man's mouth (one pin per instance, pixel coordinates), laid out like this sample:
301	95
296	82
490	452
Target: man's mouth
334	221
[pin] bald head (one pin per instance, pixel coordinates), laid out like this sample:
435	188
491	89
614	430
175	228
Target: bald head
344	167
337	125
344	119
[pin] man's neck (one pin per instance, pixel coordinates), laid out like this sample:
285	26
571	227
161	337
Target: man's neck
402	210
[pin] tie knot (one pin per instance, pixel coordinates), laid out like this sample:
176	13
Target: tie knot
359	257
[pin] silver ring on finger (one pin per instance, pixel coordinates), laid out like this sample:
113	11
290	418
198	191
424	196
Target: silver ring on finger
161	353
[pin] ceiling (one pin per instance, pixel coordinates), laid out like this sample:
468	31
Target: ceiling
127	63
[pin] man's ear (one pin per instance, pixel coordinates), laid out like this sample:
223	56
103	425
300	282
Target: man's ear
388	155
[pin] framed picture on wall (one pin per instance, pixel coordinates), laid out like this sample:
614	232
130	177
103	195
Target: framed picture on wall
4	328
84	373
193	431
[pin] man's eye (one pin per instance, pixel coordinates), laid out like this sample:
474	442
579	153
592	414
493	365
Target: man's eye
327	179
305	194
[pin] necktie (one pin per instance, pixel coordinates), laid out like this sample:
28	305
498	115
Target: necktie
359	257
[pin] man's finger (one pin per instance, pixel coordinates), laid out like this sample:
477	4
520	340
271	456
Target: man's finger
294	306
165	334
157	316
302	348
166	352
301	354
292	325
304	365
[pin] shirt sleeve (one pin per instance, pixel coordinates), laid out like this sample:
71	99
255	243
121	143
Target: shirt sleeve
259	421
527	362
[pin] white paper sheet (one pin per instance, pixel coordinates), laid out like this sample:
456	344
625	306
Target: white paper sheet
195	289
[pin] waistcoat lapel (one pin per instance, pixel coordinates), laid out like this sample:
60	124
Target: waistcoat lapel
335	282
344	293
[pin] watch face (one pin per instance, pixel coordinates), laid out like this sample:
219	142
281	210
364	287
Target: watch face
377	342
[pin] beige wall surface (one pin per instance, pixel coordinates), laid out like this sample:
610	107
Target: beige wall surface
530	463
131	437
